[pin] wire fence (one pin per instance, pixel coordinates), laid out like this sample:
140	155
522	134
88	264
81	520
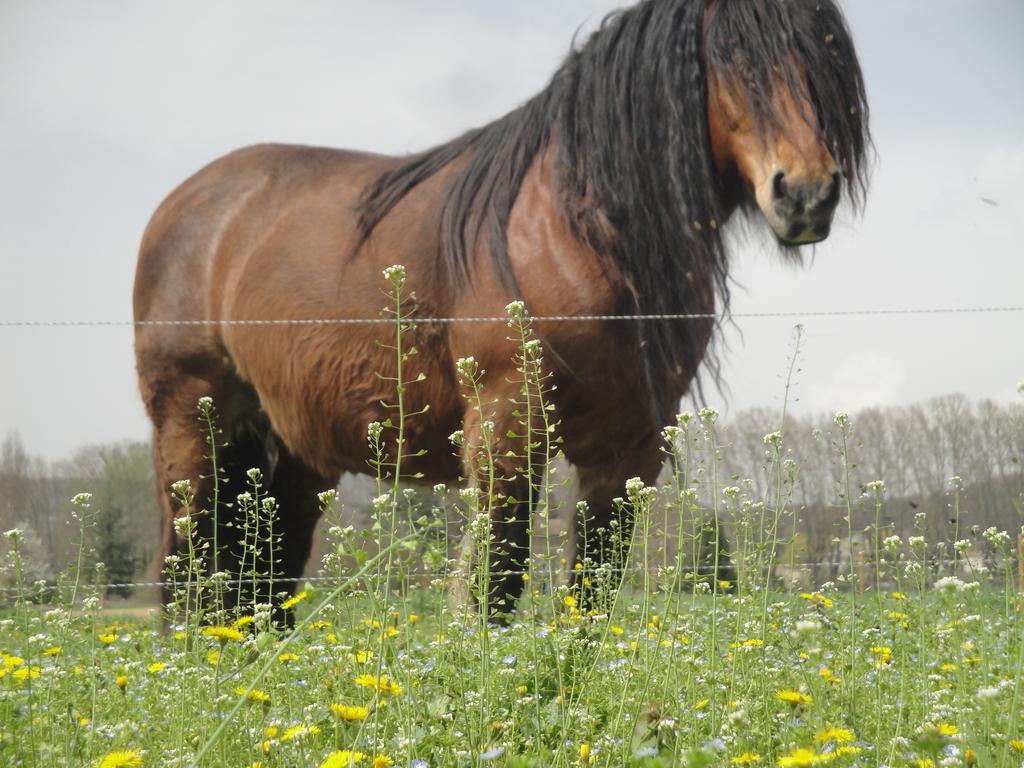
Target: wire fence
682	316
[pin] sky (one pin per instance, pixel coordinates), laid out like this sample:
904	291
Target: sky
105	106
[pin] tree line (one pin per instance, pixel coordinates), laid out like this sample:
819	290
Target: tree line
916	450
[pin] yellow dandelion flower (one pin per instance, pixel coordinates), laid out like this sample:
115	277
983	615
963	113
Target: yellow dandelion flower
947	729
52	651
298	732
923	762
342	759
847	749
320	624
271	731
121	758
701	705
213	658
382	761
413	618
746	758
224	635
121	681
107	638
829	676
156	666
255	695
243	621
817	597
362	657
794	698
389	632
805	757
26	673
898	596
617	630
949	668
291	602
838	735
1017	745
569	601
384	685
348	713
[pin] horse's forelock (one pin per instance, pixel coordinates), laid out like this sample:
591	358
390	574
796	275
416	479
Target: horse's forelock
806	47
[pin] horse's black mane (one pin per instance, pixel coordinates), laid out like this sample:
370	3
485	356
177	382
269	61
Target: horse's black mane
626	114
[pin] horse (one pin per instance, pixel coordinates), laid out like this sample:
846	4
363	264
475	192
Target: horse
606	194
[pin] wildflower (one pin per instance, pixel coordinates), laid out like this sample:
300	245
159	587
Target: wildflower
363	657
949	584
298	732
255	695
342	759
1017	745
121	758
108	638
804	757
348	713
243	621
382	684
898	596
284	658
223	635
829	676
569	601
884	654
746	758
156	666
382	761
838	735
817	598
121	681
794	698
291	602
585	756
213	659
946	729
55	651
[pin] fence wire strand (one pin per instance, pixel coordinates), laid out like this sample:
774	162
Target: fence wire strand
682	316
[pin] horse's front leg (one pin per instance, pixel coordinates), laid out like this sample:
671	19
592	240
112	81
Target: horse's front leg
604	533
496	543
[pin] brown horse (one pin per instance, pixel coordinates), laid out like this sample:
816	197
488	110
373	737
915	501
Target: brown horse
604	194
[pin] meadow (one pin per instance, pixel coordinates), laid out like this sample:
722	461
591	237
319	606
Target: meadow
911	656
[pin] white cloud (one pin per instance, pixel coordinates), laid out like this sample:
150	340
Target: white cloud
860	381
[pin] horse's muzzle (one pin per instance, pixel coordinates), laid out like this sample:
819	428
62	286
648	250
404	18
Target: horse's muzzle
803	208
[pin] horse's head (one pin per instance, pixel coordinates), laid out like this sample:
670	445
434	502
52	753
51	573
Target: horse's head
786	110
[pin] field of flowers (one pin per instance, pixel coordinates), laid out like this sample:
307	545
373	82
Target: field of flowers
913	678
904	659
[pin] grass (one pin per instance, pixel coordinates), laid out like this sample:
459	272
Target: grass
892	664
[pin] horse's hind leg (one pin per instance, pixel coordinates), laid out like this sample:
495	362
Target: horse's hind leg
295	486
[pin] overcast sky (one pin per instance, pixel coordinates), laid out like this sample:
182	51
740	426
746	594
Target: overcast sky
105	106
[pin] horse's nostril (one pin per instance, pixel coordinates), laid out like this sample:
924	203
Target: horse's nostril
779	186
834	191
